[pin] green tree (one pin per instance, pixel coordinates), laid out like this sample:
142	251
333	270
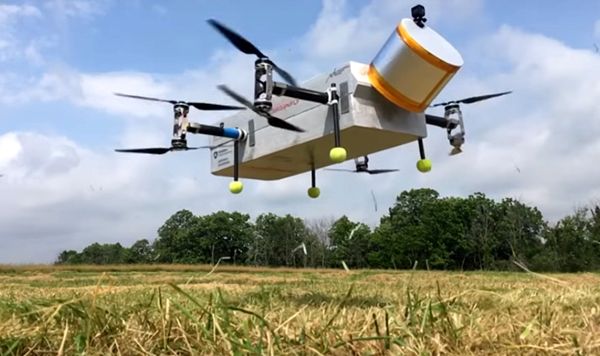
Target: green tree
67	257
351	243
276	237
185	238
318	242
519	232
173	235
140	252
402	237
317	250
425	230
569	245
101	254
481	231
224	234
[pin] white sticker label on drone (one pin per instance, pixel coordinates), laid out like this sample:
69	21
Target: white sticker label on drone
223	157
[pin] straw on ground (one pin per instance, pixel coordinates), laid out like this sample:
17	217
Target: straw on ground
152	310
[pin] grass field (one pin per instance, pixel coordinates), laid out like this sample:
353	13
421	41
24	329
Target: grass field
188	310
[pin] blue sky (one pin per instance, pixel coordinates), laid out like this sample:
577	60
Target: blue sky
170	37
60	60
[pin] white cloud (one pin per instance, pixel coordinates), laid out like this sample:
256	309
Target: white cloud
96	90
10	17
27	31
9	149
55	191
336	36
10	13
548	127
77	8
61	195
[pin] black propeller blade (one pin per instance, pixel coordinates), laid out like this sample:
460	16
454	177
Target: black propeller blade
370	171
153	151
340	170
197	105
472	99
238	41
146	98
379	171
272	120
247	47
159	150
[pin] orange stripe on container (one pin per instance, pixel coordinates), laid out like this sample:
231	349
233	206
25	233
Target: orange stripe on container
391	93
423	53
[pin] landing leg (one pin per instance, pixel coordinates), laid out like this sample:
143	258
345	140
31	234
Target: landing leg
423	165
236	186
313	191
338	153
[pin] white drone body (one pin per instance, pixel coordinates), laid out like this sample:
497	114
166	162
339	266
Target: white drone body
368	123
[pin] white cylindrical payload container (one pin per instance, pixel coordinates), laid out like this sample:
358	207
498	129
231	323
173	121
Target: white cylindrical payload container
413	66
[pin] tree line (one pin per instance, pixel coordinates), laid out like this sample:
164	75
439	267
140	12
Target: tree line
421	230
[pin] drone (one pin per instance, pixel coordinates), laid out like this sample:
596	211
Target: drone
288	128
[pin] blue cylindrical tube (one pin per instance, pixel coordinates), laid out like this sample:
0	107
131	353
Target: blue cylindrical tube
232	133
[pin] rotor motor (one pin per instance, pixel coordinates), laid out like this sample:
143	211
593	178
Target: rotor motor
453	114
180	123
263	85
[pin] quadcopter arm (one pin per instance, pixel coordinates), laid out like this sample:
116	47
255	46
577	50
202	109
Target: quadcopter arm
439	122
230	132
281	89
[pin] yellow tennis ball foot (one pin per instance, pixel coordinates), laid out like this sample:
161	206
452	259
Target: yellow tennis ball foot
338	154
314	192
236	187
424	165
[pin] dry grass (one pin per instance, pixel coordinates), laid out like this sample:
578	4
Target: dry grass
236	310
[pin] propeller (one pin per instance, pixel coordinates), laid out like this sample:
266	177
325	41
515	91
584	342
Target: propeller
159	150
247	47
452	109
363	167
197	105
272	120
472	99
366	170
